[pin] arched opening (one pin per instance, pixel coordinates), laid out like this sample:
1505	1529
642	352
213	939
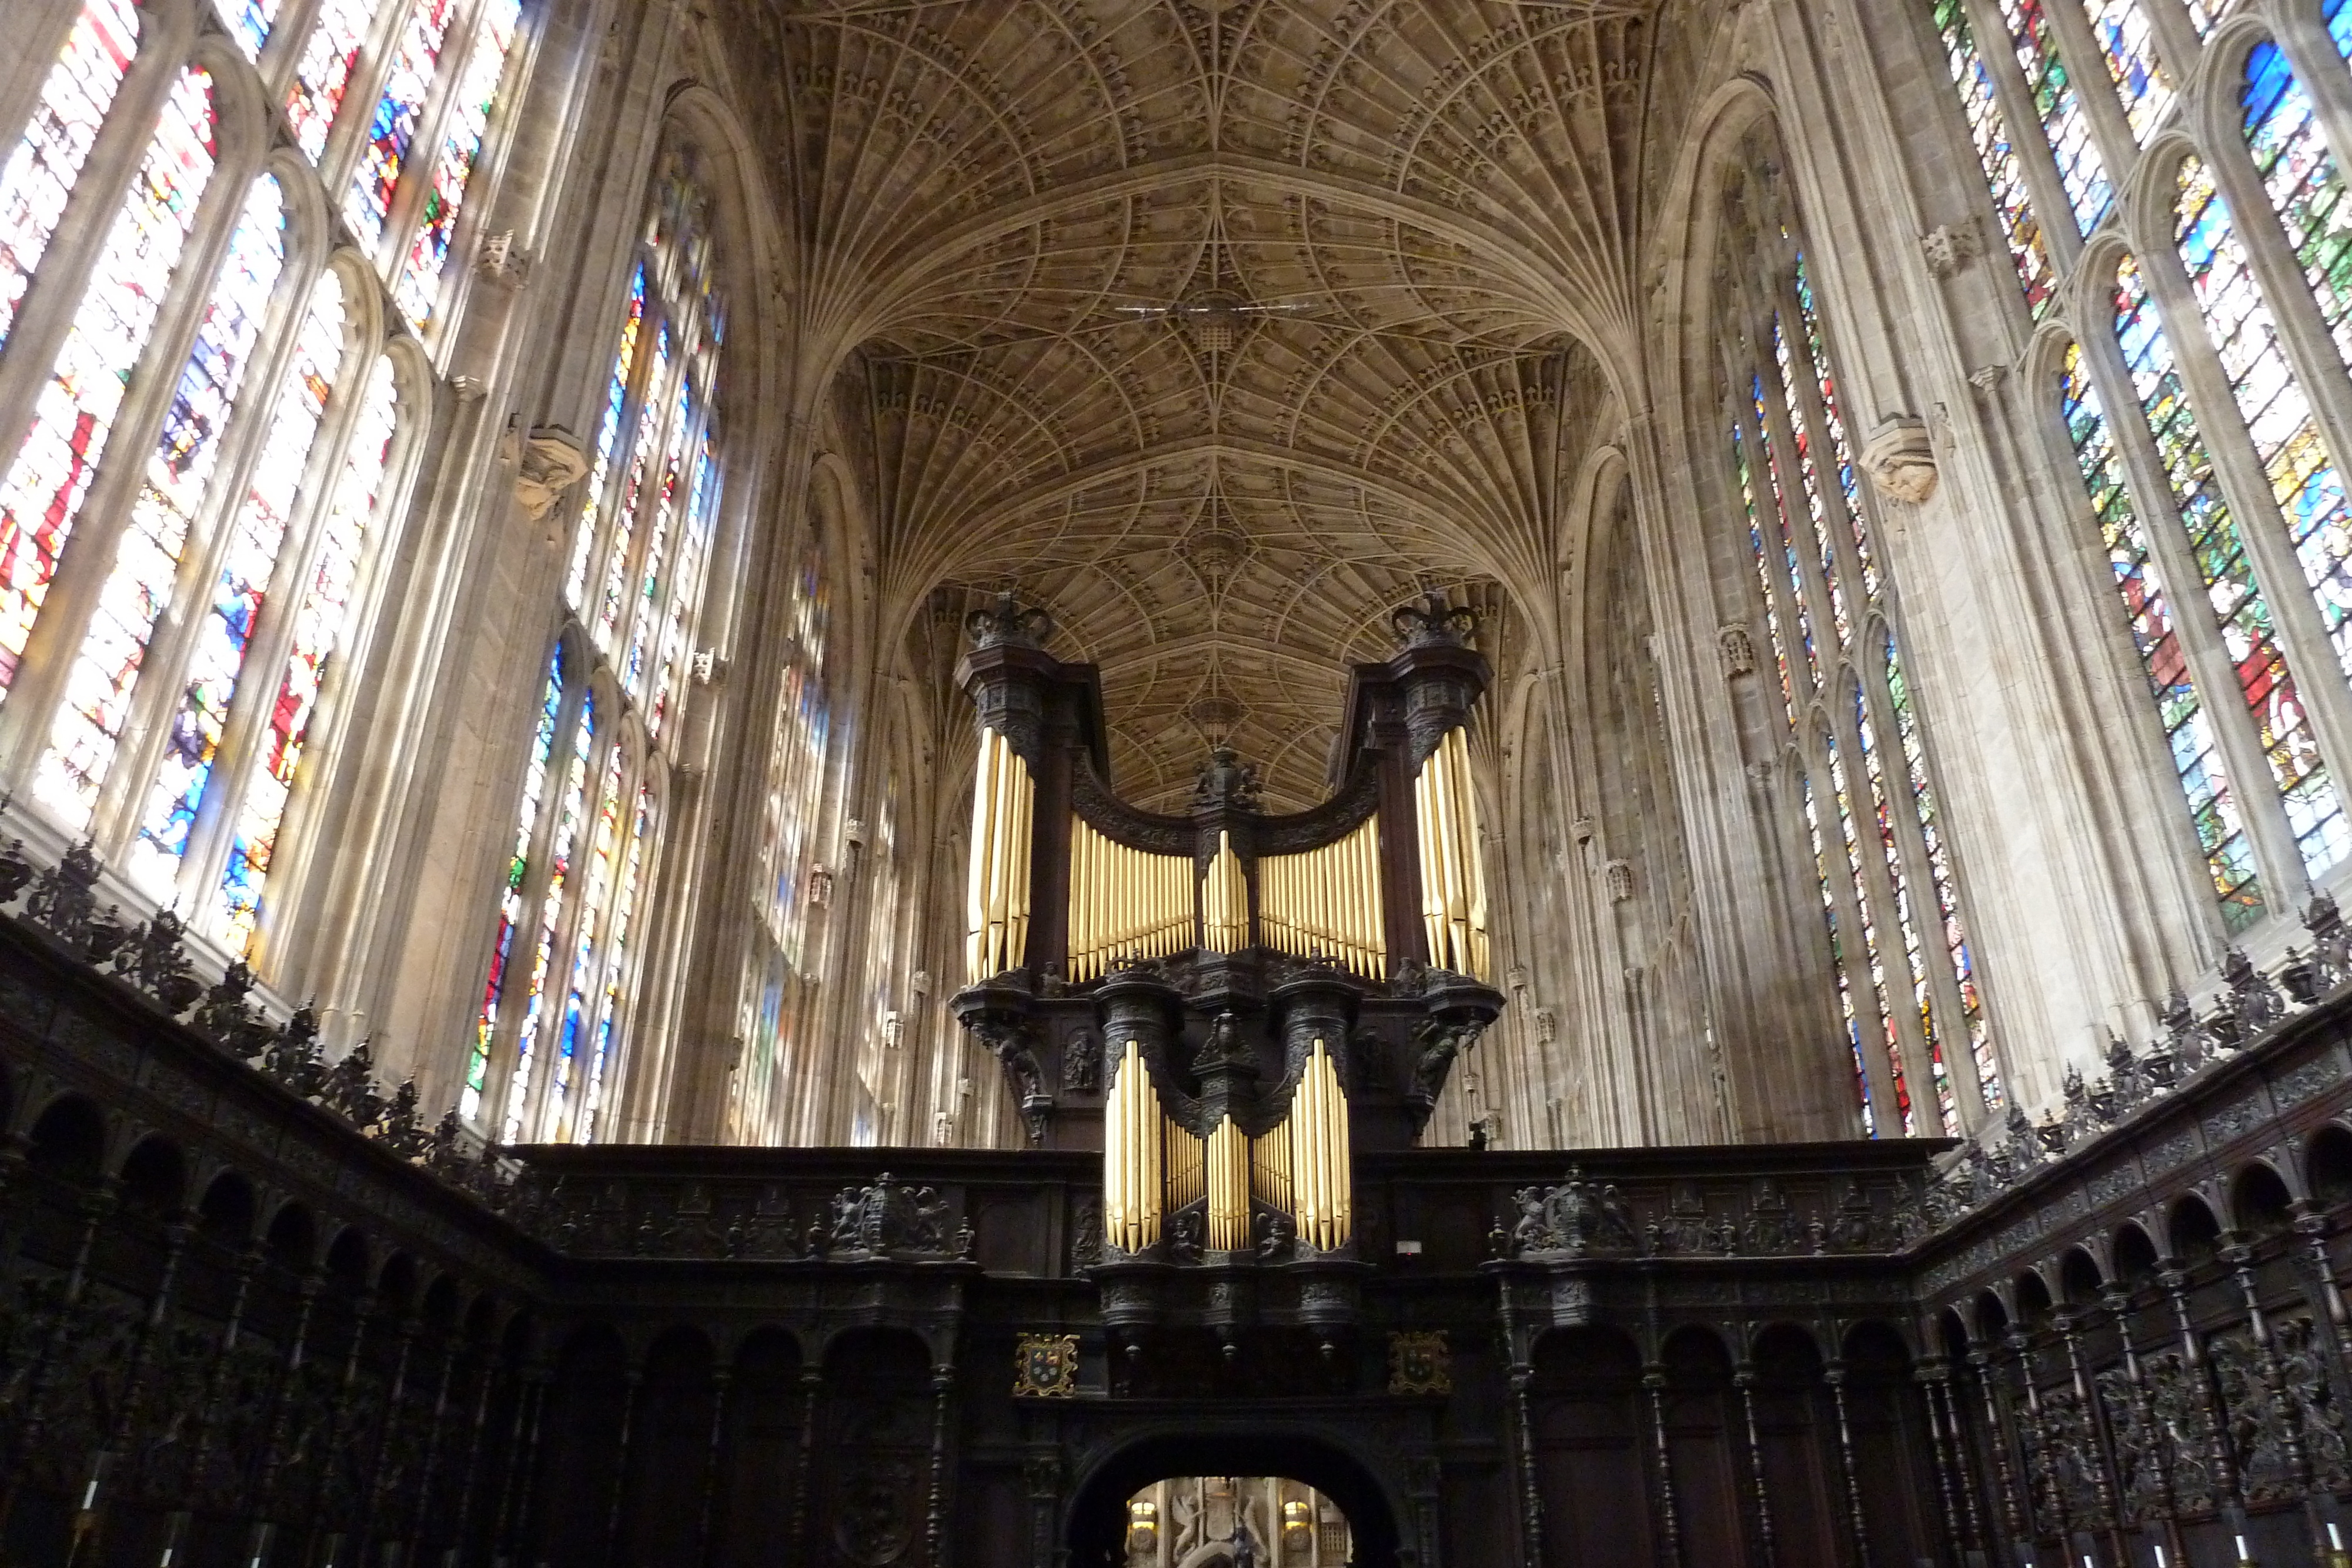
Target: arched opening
1189	1481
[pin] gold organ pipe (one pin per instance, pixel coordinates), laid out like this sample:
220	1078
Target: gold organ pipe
983	796
1433	880
1024	828
993	945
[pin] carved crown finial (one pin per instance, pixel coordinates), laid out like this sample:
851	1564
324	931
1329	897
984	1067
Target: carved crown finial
1433	624
1227	780
1007	624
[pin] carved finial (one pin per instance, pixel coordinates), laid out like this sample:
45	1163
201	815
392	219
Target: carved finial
1433	624
1227	781
1006	624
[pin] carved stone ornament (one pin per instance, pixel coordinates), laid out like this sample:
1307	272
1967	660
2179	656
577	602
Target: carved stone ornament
1571	1218
1900	459
1419	1363
1046	1367
549	461
1618	876
892	1219
1434	623
1738	650
502	261
1950	248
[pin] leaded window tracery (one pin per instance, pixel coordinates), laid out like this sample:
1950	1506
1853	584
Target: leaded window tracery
1863	810
218	429
2197	369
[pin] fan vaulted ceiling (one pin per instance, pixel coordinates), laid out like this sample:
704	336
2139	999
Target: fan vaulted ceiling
1219	327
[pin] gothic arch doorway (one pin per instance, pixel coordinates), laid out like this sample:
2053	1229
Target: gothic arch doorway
1096	1531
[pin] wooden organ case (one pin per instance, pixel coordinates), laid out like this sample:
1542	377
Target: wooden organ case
1227	1004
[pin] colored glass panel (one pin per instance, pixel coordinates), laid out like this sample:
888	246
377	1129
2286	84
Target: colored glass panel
2081	172
686	592
2148	609
1824	385
41	495
1837	952
1840	800
571	815
1800	463
511	897
323	75
2240	609
602	875
2305	186
642	460
39	176
1884	804
1772	465
2128	45
321	623
645	615
600	470
616	968
225	634
419	284
248	21
2303	479
2028	250
1762	554
796	764
83	736
2339	26
391	129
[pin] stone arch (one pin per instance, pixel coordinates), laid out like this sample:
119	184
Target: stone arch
1096	1520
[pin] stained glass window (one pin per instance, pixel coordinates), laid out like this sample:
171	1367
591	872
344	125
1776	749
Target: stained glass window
419	284
2080	169
570	814
249	23
147	561
42	493
226	632
322	625
632	593
1905	979
796	764
2306	187
385	153
1989	131
323	75
511	897
2303	479
2239	605
40	173
2148	608
2128	45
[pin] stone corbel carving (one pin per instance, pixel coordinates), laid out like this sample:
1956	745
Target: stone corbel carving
500	260
1950	248
548	461
1900	459
1738	650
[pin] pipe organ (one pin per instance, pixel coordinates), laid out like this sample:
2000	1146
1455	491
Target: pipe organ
1227	1002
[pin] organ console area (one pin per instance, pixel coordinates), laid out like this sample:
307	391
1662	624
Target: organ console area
1227	1003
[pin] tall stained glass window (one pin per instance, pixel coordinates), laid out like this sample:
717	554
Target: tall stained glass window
1864	806
555	1023
190	513
2210	475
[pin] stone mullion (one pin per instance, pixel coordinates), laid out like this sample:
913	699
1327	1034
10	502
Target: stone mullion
1840	523
213	834
607	507
2211	669
634	763
515	996
339	159
88	561
423	157
671	435
2060	235
281	51
673	587
2094	88
2301	634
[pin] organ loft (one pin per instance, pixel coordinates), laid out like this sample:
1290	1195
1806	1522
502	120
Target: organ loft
1175	784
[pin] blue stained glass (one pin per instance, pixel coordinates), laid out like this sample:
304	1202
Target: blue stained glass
2080	169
